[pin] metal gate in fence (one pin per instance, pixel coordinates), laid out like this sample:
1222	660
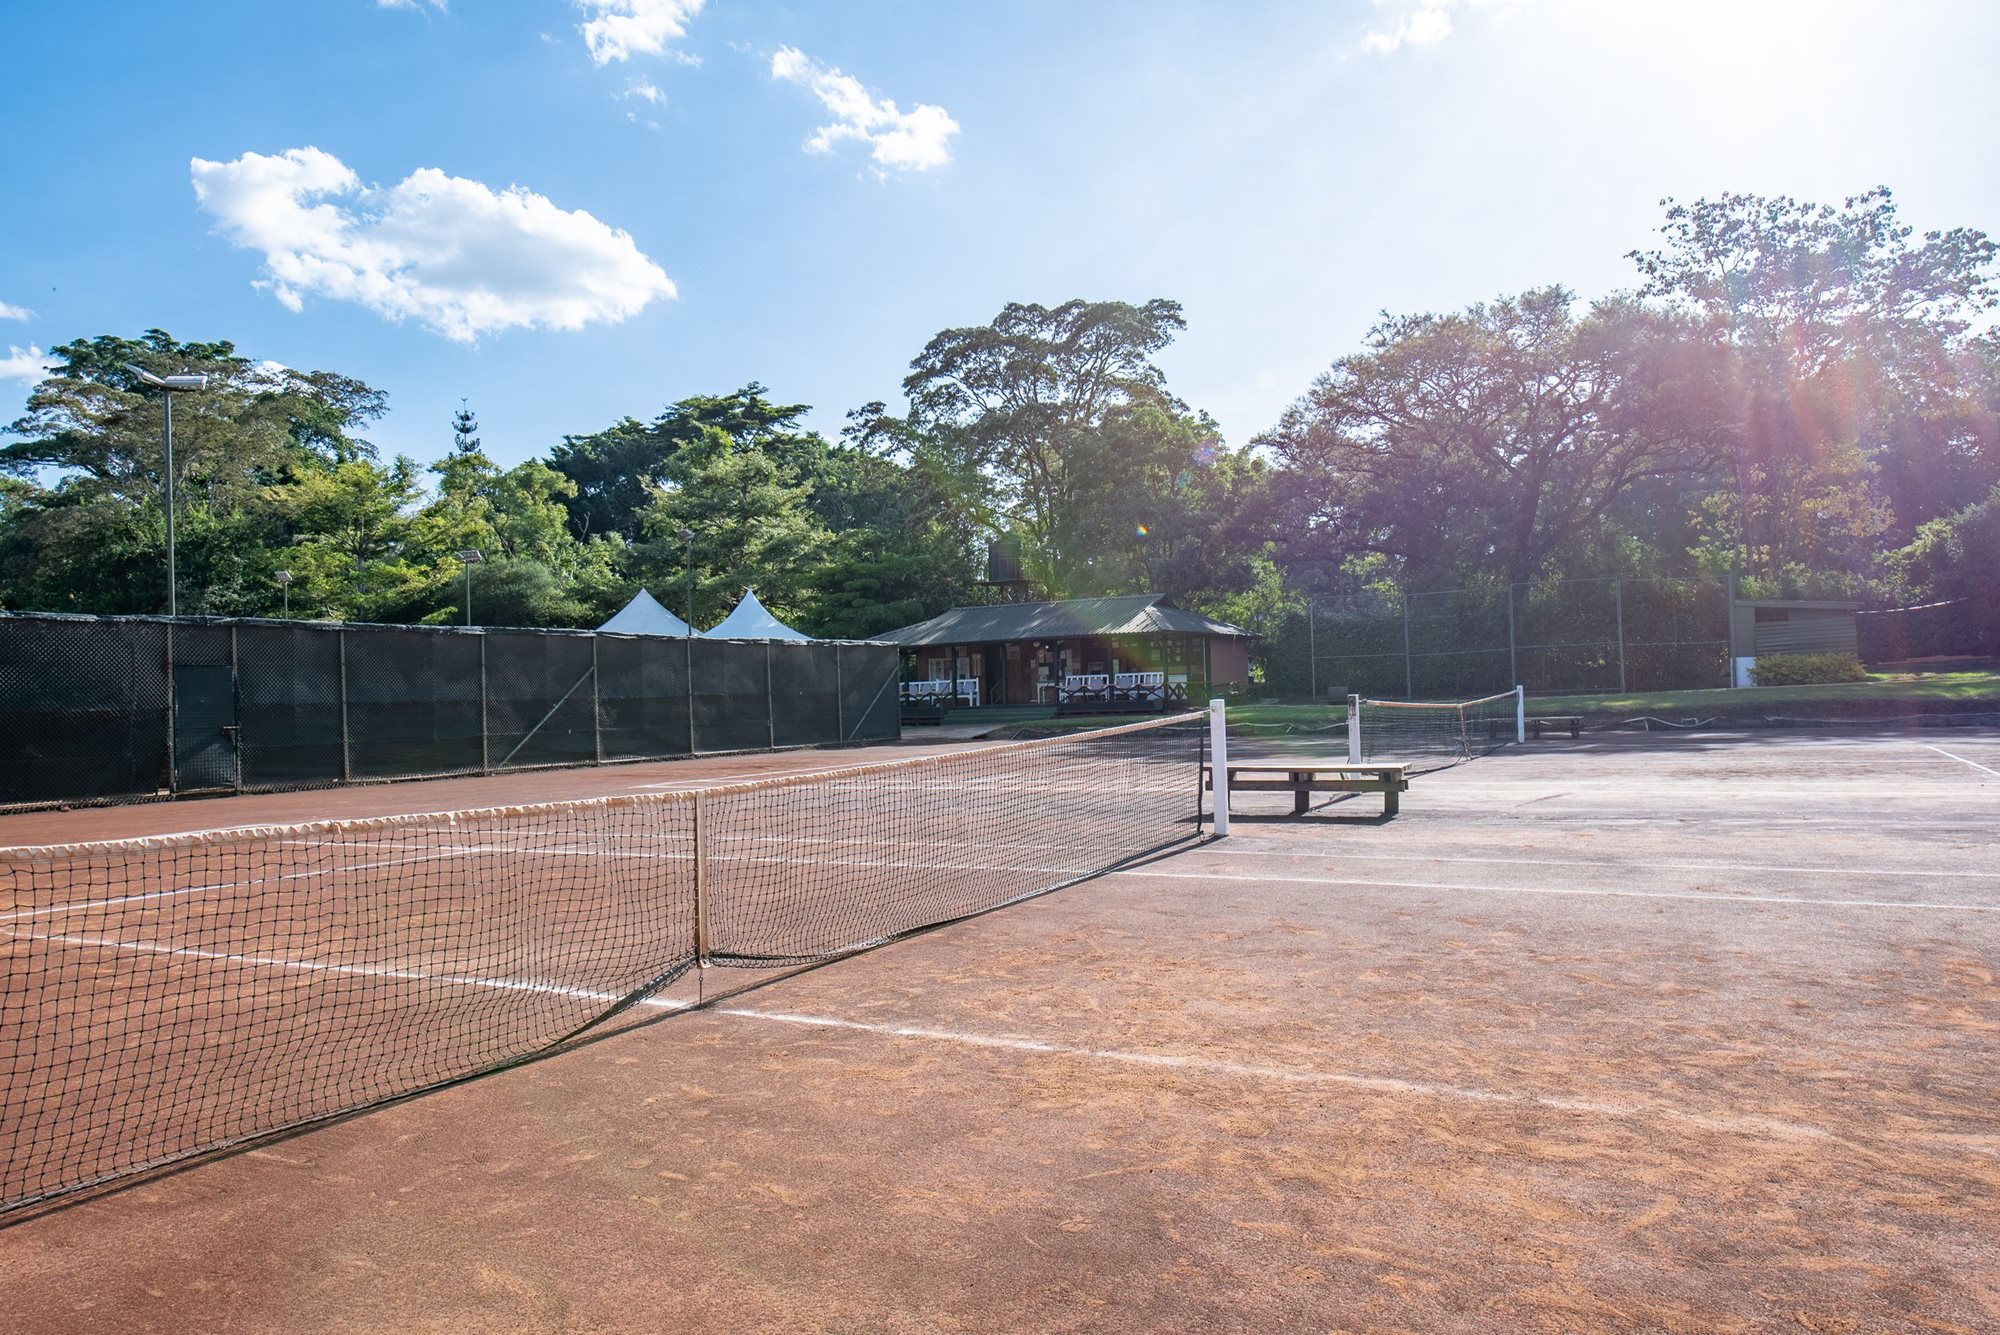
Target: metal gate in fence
139	708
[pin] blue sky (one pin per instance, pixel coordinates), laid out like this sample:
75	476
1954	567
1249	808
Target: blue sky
497	208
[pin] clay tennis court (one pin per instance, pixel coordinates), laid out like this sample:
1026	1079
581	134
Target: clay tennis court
1637	1033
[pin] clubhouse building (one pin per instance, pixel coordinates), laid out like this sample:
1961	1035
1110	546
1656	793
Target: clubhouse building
1130	652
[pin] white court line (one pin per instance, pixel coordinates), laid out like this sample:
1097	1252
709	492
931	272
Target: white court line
1553	890
56	910
351	970
1225	850
1962	760
1761	1126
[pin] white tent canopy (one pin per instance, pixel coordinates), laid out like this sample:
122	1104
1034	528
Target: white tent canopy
644	616
750	621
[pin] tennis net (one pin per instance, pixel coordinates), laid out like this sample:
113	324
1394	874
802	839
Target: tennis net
1432	733
165	998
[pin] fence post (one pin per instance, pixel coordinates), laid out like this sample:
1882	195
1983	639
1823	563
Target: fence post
840	694
1513	664
689	643
346	757
770	701
235	713
596	704
485	744
173	754
1312	655
1218	765
1618	600
1409	676
1354	730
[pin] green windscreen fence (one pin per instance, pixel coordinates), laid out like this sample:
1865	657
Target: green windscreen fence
97	709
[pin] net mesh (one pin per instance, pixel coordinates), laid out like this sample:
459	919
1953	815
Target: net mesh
168	997
1431	734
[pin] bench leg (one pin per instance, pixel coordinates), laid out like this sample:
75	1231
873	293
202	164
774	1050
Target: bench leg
1576	728
1300	799
1391	802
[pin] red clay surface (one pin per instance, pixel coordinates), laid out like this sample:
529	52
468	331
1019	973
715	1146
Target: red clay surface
1689	1034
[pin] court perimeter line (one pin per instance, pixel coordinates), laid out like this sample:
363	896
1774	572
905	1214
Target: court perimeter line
1961	760
1596	862
1763	1126
1551	890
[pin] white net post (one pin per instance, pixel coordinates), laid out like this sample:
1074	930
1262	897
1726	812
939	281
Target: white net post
1354	730
1520	713
1218	764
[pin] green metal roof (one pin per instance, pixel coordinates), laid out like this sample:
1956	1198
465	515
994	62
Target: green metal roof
1130	614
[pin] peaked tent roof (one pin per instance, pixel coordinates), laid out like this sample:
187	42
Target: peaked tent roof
1130	614
750	621
644	616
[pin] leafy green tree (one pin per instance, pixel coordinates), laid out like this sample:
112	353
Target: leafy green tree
89	534
1495	439
1026	400
1865	395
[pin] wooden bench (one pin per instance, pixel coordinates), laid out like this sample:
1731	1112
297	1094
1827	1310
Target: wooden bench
1301	778
1574	722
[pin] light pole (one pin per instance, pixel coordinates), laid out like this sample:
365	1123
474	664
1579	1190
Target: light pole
687	536
471	557
169	386
284	578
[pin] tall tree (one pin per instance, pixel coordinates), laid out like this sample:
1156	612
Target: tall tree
1494	439
1863	391
1058	407
464	430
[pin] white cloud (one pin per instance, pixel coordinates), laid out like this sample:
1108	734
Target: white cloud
25	364
642	89
621	29
1419	23
9	311
452	254
438	5
914	140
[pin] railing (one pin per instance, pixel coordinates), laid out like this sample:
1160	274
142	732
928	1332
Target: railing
926	692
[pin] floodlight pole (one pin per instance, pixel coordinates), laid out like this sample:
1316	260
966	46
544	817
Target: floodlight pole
168	387
687	536
469	558
167	446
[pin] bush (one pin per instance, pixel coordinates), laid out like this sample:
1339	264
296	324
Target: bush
1807	669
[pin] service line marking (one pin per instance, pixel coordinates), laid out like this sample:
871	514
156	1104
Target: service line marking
1917	905
1962	760
1756	1126
1225	849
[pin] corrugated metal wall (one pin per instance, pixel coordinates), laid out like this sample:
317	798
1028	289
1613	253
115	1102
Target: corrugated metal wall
1806	631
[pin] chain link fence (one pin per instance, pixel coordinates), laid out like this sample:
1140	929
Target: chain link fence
1554	637
97	709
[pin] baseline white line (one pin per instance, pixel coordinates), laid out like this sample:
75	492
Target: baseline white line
1221	850
1962	760
1377	1084
1552	890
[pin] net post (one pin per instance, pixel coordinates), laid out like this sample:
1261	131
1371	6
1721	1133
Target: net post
1354	730
1218	764
1520	713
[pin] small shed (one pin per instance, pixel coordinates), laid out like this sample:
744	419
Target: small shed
1762	627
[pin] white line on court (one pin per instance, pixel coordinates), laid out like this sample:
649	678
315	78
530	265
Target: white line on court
1762	1126
1223	849
1915	905
1962	760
